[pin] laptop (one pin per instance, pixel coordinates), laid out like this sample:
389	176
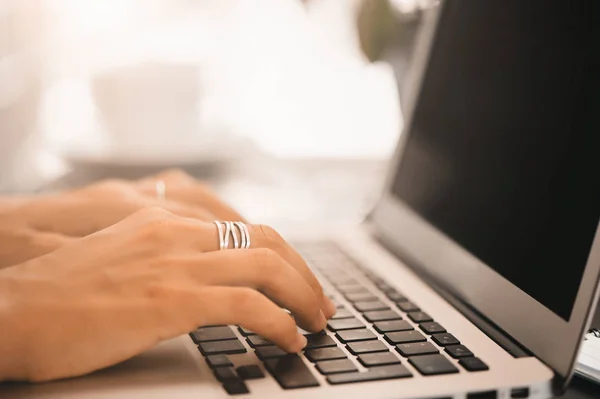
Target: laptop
475	275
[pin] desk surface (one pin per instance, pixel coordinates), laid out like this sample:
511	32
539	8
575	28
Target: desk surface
299	192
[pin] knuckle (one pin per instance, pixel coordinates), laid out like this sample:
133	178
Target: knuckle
270	234
155	223
154	214
266	258
160	292
247	297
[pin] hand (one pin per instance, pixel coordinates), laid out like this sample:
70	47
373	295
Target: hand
109	296
86	210
21	243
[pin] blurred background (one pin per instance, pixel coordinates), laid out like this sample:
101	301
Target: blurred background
289	108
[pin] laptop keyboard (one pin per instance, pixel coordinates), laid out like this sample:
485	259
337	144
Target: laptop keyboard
377	334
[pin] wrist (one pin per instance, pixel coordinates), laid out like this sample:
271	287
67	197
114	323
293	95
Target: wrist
20	244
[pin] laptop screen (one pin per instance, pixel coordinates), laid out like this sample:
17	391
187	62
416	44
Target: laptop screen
503	151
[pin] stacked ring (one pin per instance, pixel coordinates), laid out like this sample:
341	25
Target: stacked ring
230	230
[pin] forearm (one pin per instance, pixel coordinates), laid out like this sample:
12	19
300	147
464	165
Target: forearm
9	203
11	356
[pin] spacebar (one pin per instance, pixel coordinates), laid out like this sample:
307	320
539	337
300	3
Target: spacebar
374	374
291	372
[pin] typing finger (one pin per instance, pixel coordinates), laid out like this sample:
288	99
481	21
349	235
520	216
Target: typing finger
266	271
250	309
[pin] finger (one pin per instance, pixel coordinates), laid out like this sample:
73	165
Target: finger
198	197
250	309
182	210
266	271
183	188
265	237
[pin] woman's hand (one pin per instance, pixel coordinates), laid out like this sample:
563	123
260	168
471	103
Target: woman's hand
109	296
19	243
86	210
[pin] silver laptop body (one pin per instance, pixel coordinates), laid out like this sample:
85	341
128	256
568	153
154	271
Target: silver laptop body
528	348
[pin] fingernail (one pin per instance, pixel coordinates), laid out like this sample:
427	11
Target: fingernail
330	308
323	319
302	342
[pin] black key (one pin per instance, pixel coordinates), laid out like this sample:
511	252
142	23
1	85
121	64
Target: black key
473	364
336	366
218	361
339	281
356	348
458	351
355	335
352	289
245	332
374	374
432	365
225	374
419	317
408	306
207	334
317	355
483	395
342	313
230	347
269	352
396	296
445	339
392	325
404	337
417	348
374	278
519	393
371	305
319	341
380	315
345	324
236	387
378	359
250	372
255	340
385	287
361	297
291	372
432	328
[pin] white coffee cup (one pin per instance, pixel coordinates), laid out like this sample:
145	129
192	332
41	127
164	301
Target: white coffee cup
149	108
19	104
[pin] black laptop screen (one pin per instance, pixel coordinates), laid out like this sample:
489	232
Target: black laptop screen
503	153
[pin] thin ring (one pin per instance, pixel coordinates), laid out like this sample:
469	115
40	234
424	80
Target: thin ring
247	234
233	230
161	190
226	235
221	237
243	243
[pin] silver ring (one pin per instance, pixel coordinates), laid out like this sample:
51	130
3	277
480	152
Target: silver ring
243	240
246	234
230	233
234	235
161	190
226	236
221	237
